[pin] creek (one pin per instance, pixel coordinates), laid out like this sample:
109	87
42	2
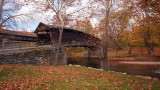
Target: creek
131	69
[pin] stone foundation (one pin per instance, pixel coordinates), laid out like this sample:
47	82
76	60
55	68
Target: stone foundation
34	57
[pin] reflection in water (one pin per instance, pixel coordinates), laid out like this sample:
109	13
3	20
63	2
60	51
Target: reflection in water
144	70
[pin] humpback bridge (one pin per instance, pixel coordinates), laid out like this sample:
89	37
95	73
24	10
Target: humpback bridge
71	38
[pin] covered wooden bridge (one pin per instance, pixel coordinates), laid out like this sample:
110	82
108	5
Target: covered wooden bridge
49	34
17	36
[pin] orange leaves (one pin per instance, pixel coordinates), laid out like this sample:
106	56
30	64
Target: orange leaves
71	77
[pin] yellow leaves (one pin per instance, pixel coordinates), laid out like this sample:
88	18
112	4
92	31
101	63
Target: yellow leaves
147	31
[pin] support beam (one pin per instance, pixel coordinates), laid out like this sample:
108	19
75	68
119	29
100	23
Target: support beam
89	52
51	36
92	52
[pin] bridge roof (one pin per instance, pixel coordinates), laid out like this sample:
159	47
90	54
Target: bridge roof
54	26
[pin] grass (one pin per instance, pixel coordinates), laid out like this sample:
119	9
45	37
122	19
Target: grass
68	78
79	54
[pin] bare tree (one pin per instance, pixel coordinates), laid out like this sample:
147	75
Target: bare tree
106	8
60	8
8	16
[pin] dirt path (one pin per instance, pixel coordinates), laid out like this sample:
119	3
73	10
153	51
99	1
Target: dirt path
140	62
137	58
140	59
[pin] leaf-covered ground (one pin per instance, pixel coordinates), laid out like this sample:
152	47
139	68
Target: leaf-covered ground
68	78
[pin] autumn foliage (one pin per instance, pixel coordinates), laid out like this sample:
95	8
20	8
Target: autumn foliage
67	77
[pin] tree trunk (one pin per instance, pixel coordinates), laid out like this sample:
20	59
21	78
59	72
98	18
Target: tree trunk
130	50
129	44
105	53
117	52
89	52
1	5
105	62
58	45
148	44
152	48
105	42
60	24
149	51
148	47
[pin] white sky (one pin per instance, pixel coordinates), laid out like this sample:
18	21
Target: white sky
30	25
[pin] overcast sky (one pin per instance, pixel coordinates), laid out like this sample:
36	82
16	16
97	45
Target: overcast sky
30	25
34	18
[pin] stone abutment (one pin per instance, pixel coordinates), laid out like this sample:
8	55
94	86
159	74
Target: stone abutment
39	56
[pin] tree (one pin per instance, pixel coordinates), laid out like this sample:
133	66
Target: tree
119	22
147	23
60	8
105	34
147	34
8	18
84	25
130	39
106	8
113	24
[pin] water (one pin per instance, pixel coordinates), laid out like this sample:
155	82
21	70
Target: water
143	70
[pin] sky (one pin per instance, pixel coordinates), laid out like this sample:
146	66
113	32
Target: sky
31	23
34	18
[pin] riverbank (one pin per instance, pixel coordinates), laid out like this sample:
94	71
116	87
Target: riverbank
139	56
68	77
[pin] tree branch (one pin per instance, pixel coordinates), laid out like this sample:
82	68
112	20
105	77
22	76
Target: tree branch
1	24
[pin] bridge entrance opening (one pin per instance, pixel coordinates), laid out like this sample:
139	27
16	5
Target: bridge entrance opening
77	51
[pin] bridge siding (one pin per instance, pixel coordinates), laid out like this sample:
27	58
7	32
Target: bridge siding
70	37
